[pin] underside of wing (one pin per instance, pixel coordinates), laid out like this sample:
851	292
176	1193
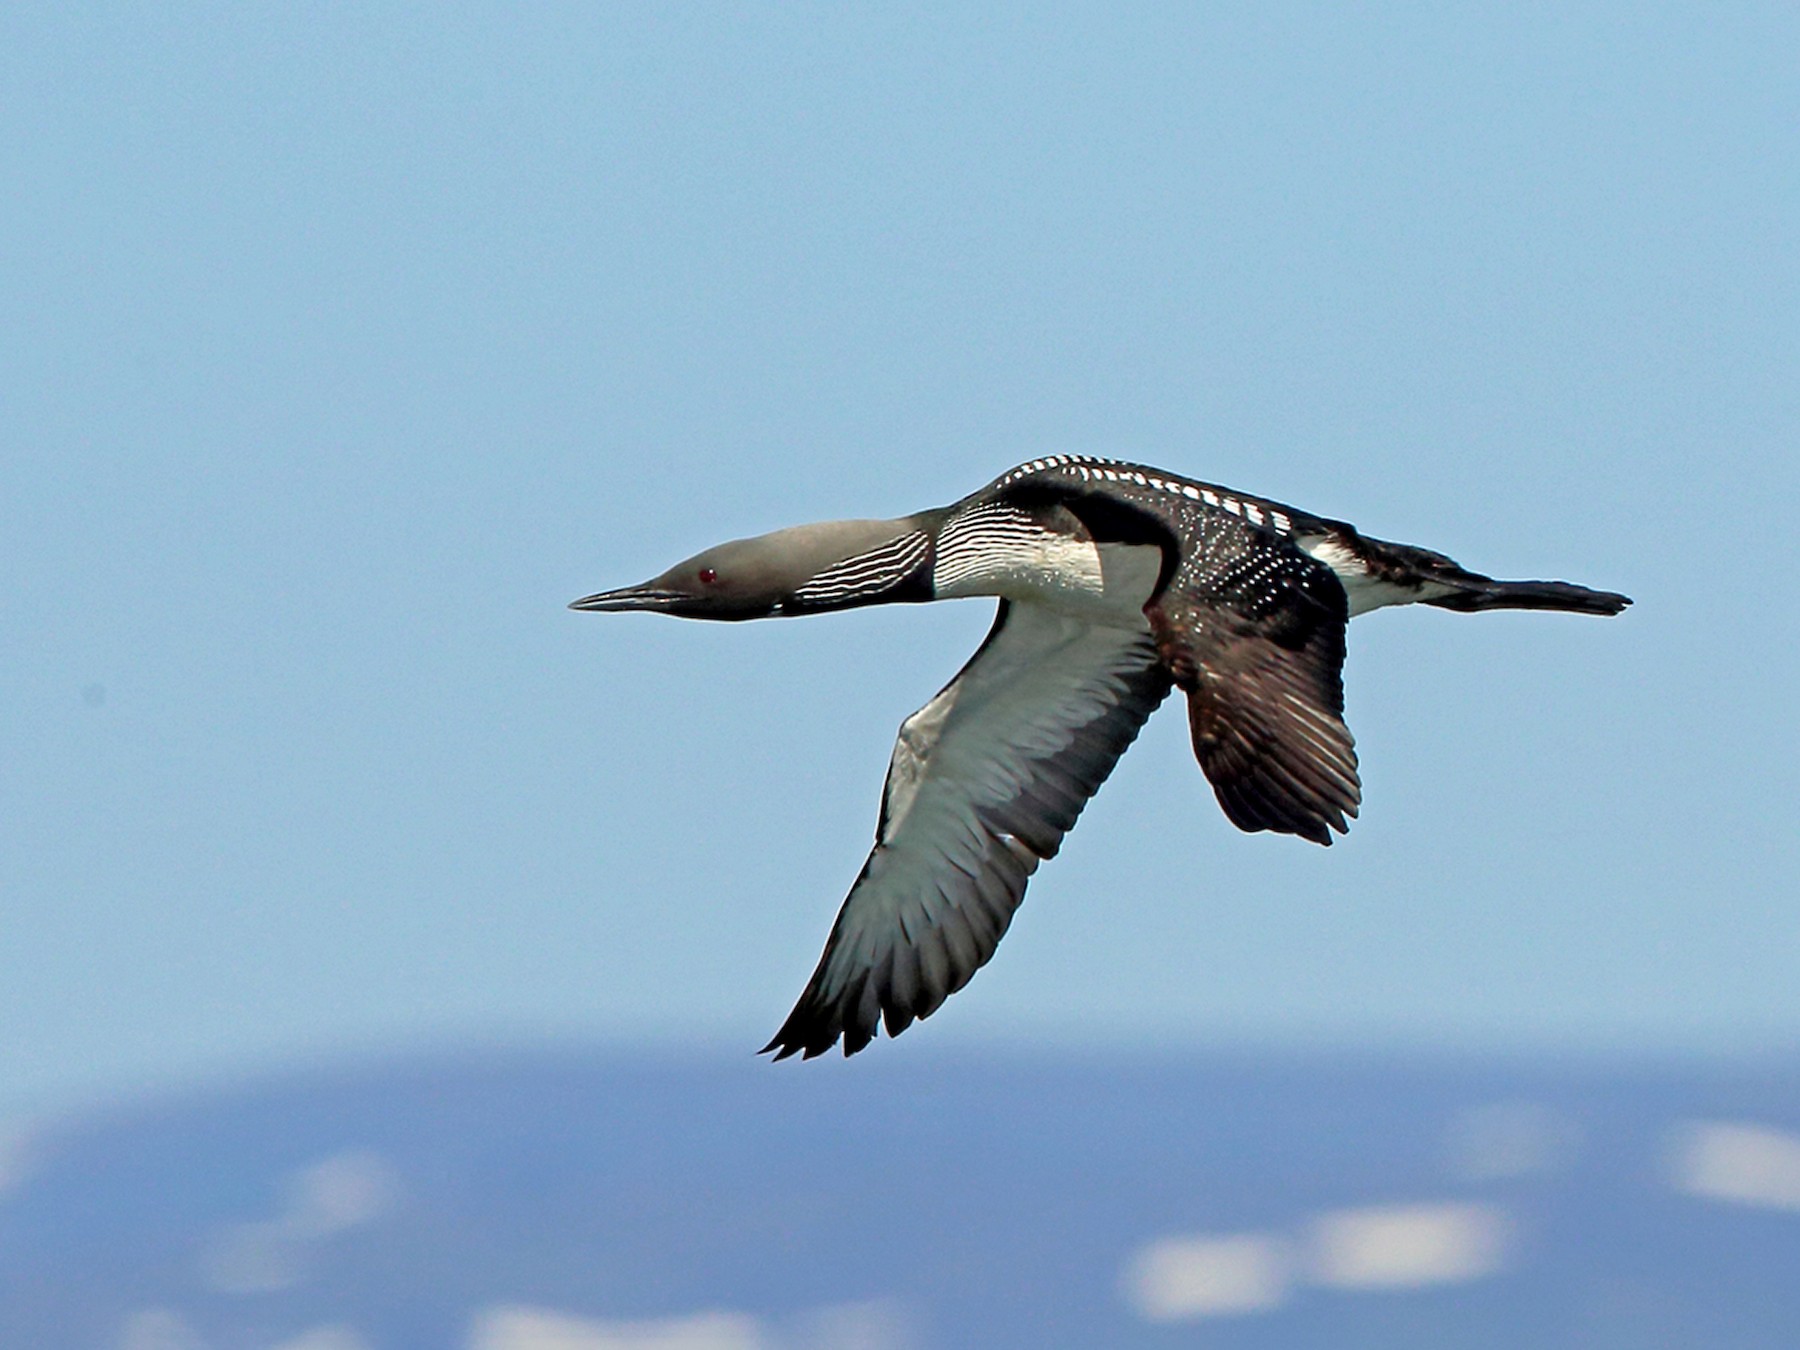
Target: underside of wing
1260	652
985	781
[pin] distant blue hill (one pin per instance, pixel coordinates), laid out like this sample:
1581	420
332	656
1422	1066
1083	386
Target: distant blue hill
589	1201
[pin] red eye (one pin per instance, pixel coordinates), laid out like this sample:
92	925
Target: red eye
708	576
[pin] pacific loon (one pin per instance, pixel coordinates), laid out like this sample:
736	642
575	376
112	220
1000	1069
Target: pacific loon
1116	582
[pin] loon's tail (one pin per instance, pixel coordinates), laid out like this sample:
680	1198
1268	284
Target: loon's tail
1449	585
1473	593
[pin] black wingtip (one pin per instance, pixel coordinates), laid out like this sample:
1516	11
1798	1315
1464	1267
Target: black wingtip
807	1038
780	1050
811	1032
1275	802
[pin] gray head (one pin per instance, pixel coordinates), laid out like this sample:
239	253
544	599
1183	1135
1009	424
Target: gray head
835	565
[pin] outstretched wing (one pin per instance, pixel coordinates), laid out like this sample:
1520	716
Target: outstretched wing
985	781
1258	644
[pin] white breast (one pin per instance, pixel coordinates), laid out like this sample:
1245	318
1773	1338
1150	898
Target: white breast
1001	550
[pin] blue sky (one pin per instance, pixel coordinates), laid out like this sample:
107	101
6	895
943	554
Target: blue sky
338	351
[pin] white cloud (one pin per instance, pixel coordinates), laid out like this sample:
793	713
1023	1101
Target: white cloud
158	1329
876	1324
325	1338
514	1328
346	1190
340	1192
1406	1246
1737	1162
252	1258
1181	1278
1510	1139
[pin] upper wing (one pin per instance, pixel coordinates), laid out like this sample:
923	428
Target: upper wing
985	781
1258	643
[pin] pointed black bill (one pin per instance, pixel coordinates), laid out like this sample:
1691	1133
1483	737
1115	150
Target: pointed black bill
648	596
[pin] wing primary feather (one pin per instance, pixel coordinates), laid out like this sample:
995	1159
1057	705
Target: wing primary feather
985	780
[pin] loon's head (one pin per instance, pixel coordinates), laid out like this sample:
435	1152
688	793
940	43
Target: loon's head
836	565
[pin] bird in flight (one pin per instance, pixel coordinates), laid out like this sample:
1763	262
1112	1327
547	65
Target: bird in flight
1117	582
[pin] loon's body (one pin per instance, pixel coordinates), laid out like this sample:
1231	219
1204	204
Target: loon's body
1117	582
